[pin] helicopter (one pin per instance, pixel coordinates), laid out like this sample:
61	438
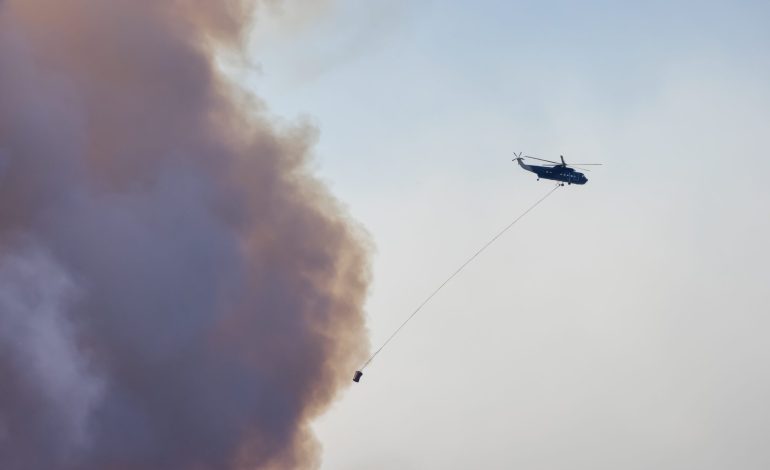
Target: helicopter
556	171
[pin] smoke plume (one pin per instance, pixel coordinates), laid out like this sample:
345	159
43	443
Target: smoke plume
176	291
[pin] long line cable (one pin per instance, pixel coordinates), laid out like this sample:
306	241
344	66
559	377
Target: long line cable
459	270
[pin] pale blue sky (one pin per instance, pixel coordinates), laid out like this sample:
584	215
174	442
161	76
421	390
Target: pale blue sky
622	324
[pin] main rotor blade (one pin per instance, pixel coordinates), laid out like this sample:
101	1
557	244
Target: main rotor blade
542	160
585	164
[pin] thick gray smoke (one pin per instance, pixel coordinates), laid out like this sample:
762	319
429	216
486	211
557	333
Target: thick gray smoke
176	292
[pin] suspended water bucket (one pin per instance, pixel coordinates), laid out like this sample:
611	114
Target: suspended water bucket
357	376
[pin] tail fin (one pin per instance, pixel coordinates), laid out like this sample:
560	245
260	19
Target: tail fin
522	164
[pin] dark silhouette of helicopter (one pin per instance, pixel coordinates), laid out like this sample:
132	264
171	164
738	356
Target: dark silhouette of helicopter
556	171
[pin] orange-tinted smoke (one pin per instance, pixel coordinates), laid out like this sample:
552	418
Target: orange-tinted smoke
176	290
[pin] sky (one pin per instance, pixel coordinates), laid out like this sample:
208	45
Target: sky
623	323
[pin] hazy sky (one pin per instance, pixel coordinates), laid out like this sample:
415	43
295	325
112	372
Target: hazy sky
623	324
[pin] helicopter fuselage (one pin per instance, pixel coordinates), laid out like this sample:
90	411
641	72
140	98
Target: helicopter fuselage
560	173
